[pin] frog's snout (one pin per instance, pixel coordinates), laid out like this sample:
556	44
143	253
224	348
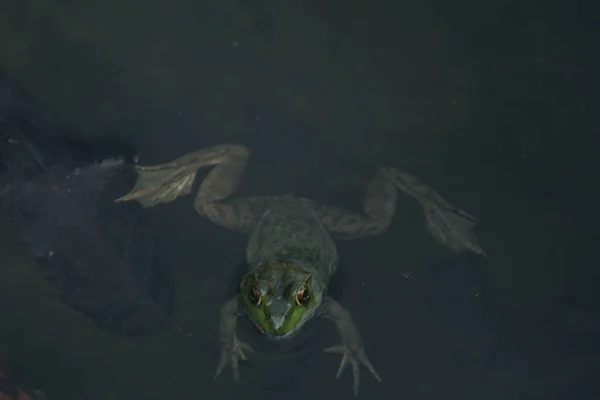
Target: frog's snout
279	310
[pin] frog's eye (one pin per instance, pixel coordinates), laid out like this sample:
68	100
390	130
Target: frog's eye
302	296
254	295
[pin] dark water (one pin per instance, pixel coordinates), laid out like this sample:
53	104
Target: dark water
493	104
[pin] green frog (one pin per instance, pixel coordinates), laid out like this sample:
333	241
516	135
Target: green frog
291	253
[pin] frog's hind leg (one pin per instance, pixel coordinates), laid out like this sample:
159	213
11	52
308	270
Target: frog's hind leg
165	182
449	225
379	205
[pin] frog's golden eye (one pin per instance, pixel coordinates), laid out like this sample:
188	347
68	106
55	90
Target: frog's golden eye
302	296
254	295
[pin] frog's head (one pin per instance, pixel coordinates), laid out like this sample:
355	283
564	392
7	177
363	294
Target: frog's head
281	296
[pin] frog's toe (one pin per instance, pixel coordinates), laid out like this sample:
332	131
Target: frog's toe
244	347
339	349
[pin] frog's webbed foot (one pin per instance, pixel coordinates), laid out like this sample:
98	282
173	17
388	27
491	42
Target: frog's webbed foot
352	349
453	228
447	224
232	349
160	184
165	182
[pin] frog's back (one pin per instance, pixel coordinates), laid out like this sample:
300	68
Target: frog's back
290	229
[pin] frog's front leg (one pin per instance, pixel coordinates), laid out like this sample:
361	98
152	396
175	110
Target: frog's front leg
352	349
232	349
165	182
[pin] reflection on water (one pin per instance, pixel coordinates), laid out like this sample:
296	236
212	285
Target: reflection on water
471	99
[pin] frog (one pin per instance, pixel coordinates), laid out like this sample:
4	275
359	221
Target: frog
291	253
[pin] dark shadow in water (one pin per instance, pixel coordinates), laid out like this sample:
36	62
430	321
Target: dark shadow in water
58	194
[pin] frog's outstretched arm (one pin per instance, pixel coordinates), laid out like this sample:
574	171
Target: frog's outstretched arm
165	182
448	224
352	349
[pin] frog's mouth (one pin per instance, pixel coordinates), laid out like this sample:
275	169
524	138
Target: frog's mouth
307	329
270	336
276	346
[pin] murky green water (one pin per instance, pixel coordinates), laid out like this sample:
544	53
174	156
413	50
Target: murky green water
488	103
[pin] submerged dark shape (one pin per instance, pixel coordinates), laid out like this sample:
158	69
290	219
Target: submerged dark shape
58	193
